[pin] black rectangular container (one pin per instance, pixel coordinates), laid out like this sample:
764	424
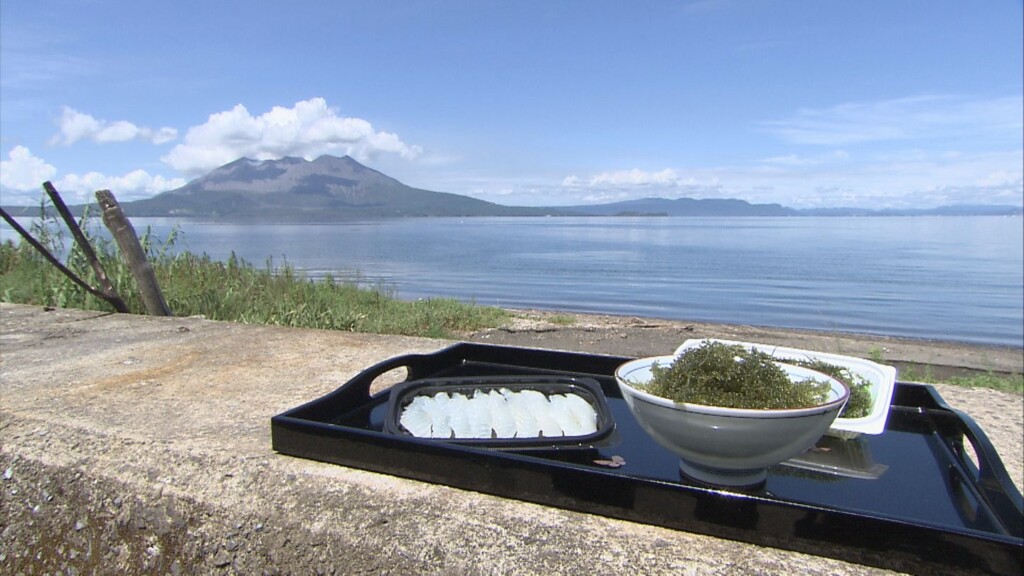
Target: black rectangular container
586	388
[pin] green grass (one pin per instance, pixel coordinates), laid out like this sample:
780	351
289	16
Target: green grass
233	291
1003	382
562	319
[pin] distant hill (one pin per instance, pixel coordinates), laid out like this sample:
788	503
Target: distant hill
950	210
325	189
680	207
732	207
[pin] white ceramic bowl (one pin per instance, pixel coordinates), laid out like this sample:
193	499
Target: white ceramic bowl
727	446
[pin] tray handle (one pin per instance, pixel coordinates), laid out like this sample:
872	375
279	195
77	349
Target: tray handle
356	392
990	476
416	366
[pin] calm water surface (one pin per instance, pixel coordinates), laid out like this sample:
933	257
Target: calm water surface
948	278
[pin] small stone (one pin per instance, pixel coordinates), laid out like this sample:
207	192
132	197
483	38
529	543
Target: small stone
8	473
222	559
79	525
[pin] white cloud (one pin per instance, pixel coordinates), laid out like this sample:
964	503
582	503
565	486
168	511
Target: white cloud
134	185
75	126
814	160
919	117
22	177
634	178
308	129
23	171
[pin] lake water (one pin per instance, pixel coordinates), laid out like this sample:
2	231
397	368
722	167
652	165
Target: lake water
947	278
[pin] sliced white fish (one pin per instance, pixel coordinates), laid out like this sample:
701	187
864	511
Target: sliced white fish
565	417
526	423
442	399
502	422
437	408
415	418
584	412
478	414
458	416
541	410
499	414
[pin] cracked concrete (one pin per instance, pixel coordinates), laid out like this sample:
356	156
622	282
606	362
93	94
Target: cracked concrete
139	445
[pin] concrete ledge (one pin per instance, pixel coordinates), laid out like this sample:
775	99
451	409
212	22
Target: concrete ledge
139	445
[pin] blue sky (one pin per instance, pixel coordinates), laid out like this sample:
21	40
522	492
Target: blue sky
803	103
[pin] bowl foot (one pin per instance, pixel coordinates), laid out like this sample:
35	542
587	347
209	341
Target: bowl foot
723	477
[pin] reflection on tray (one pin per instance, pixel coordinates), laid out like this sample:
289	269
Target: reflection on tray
838	457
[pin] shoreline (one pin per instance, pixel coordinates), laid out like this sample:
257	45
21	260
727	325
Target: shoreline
639	336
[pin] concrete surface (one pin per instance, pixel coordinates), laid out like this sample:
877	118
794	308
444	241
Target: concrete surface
139	445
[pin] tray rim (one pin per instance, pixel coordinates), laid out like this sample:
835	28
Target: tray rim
294	433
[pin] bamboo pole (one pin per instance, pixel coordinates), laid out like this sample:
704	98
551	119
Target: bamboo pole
121	228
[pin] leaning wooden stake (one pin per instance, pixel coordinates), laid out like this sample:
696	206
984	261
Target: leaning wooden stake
83	243
114	300
134	255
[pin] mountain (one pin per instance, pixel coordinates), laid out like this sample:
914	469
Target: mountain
326	189
681	207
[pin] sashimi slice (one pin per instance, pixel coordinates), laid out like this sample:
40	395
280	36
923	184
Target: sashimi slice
502	422
458	416
478	414
415	419
585	413
526	424
564	415
541	410
437	408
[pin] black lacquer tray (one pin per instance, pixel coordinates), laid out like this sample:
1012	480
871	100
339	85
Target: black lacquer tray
912	499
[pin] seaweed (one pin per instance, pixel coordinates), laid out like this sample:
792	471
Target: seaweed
732	376
859	404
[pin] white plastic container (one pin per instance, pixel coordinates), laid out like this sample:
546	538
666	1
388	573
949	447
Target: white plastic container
881	377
